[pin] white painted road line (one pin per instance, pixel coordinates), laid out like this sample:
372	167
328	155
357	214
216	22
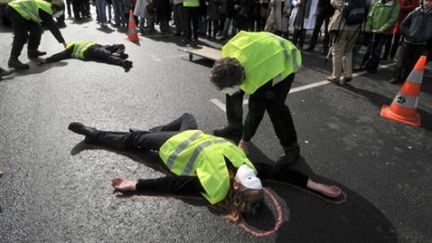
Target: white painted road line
380	67
219	104
155	58
309	86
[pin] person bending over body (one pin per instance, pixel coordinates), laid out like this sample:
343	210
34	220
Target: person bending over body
88	50
200	164
262	65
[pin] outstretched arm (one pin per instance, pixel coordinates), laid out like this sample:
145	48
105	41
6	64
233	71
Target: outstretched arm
283	174
60	55
172	185
49	22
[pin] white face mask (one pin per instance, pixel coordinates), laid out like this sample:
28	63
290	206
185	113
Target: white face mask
248	178
231	90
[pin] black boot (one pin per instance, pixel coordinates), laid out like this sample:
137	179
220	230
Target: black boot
232	130
15	63
4	72
35	53
127	65
89	132
291	155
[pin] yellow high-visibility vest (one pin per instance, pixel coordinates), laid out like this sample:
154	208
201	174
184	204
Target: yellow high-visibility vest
29	9
264	56
191	3
194	153
79	47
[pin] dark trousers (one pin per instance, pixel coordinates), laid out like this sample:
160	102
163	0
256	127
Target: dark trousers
408	56
105	53
145	140
299	37
191	18
322	17
270	98
68	7
391	46
374	51
24	30
179	19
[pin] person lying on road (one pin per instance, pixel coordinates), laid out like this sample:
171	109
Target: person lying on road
201	164
88	50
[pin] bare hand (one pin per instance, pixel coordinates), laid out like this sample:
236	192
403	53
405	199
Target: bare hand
244	146
123	185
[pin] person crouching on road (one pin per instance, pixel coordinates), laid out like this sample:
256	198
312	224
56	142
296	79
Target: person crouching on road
27	18
262	65
88	50
200	164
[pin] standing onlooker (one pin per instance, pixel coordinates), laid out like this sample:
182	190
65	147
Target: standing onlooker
101	12
119	20
344	35
244	14
191	18
68	7
178	16
382	16
163	15
109	9
417	31
212	17
229	21
325	11
392	43
298	23
278	19
128	6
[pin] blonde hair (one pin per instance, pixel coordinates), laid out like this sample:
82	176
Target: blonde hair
241	201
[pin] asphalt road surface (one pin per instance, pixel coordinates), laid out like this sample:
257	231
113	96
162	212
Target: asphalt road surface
55	189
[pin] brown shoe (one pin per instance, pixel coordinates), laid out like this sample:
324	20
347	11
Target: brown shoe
333	79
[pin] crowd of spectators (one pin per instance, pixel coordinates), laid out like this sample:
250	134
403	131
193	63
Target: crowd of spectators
390	25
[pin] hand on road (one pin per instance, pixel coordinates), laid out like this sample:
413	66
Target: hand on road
123	185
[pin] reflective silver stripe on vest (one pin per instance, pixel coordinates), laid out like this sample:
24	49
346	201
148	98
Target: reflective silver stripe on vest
281	41
415	77
406	100
192	160
172	158
296	65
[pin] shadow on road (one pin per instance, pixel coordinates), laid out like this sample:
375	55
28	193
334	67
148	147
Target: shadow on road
312	219
379	100
36	68
306	216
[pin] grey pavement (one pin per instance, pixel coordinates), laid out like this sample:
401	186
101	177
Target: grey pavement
55	189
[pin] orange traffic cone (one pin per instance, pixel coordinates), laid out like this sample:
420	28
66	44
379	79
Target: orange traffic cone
403	108
132	34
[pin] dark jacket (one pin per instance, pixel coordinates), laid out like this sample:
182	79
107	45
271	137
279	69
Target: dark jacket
417	27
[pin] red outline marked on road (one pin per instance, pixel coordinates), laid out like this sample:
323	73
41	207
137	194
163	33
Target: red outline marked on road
279	219
242	225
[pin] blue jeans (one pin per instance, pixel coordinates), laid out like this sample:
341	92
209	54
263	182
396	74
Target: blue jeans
118	12
101	11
